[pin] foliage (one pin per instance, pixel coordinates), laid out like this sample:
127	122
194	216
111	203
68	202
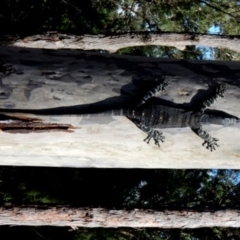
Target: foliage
25	17
119	188
157	189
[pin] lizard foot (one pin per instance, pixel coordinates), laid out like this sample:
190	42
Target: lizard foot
156	135
211	144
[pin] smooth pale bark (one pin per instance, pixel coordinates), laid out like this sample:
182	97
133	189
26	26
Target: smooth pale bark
98	217
36	79
115	42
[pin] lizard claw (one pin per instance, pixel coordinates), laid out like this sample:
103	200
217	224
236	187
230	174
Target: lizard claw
211	144
156	135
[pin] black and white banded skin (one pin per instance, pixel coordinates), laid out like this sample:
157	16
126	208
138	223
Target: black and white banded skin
150	117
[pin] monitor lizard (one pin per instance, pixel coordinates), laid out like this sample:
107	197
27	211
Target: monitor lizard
149	117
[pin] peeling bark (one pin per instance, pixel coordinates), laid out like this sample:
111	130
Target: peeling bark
98	217
113	43
29	126
20	124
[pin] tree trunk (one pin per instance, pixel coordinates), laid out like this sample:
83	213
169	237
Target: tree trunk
98	217
113	43
35	79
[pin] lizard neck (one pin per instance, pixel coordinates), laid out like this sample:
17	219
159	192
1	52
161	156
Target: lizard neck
225	121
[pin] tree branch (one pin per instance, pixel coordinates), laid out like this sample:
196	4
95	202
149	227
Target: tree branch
112	43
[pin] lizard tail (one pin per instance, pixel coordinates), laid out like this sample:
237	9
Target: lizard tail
65	111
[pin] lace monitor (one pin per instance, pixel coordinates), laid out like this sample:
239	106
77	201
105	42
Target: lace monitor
149	117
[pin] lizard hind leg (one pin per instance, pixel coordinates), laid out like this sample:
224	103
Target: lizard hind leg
160	86
152	133
156	135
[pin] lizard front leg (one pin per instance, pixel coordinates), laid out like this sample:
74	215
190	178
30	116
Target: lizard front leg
219	93
161	85
152	133
211	143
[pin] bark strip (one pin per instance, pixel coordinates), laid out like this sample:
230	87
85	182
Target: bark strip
112	43
98	217
28	125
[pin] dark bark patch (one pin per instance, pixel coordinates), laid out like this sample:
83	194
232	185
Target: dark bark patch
31	62
27	125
